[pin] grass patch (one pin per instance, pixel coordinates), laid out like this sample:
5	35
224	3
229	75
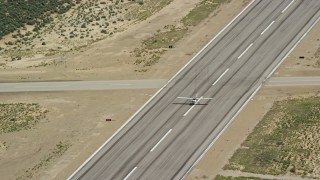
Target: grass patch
219	177
56	152
145	8
201	11
286	141
153	47
164	39
146	58
318	63
317	56
20	116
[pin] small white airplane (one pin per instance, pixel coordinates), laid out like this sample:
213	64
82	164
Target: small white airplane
194	100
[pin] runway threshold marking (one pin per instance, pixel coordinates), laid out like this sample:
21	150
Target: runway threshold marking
220	76
130	173
155	146
193	106
287	7
267	28
245	51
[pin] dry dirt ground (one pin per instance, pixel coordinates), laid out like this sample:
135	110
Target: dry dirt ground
78	118
74	118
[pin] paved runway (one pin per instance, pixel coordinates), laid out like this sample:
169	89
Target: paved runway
167	136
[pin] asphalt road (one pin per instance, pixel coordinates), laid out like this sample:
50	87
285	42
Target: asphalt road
81	85
168	136
294	81
132	84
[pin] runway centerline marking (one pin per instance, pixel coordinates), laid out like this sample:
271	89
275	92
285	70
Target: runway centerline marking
287	7
130	173
155	146
220	76
245	51
193	106
267	28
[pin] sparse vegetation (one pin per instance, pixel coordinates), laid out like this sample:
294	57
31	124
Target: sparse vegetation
56	152
18	13
286	141
20	116
87	22
146	8
146	58
164	39
202	11
219	177
153	47
317	56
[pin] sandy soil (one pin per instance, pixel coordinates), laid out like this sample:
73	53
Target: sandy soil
107	59
74	117
296	66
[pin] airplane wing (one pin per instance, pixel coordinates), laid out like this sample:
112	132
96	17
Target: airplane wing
184	98
193	98
206	98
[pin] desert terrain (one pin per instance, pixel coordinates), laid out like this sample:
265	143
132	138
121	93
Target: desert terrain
75	122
